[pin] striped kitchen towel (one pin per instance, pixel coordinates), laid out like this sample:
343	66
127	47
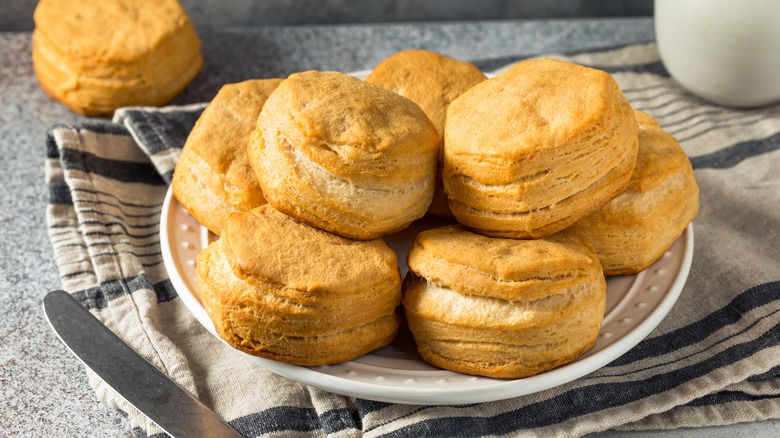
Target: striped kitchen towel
715	359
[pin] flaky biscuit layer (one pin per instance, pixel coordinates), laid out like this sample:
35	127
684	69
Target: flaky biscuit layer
502	307
344	155
533	150
280	289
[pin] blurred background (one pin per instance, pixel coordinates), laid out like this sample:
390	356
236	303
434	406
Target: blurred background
16	15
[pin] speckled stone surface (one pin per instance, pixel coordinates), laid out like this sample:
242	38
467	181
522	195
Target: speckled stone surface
17	14
43	388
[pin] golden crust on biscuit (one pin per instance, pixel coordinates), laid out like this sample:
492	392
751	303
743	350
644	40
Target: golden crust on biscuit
95	59
502	307
635	229
344	155
282	290
533	150
431	81
428	79
213	177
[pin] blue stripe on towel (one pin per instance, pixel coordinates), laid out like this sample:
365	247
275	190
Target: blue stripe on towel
733	155
125	171
162	131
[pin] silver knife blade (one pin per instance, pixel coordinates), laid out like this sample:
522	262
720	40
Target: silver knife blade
139	382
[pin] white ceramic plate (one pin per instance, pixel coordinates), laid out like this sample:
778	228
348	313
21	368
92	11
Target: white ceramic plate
635	306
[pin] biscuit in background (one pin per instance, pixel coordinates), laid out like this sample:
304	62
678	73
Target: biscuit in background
282	290
213	177
95	57
538	147
635	229
502	308
344	155
431	81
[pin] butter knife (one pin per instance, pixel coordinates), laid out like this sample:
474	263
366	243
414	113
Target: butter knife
139	382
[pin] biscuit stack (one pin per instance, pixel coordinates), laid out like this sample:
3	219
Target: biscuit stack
306	279
550	174
527	154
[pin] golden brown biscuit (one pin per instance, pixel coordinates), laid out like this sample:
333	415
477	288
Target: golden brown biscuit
282	290
635	229
344	155
213	177
431	81
502	307
95	59
531	151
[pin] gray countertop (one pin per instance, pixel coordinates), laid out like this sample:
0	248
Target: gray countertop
43	388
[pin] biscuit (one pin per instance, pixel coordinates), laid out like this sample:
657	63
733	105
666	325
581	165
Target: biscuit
213	177
343	155
95	59
502	307
538	147
431	81
282	290
635	229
